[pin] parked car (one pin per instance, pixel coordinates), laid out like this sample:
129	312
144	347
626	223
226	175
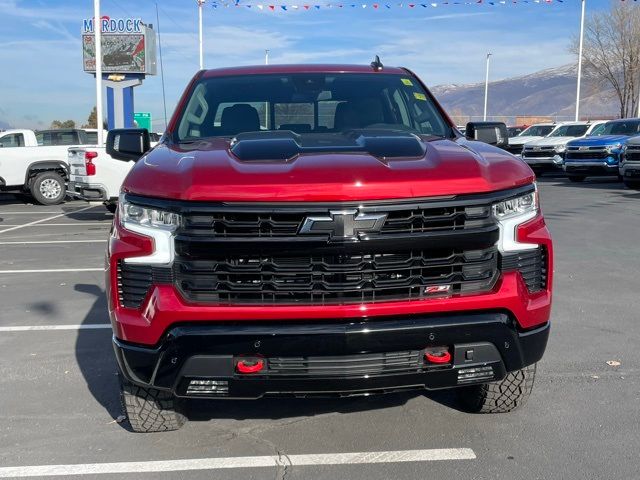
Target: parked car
534	132
94	175
547	154
630	163
37	163
599	154
372	251
516	130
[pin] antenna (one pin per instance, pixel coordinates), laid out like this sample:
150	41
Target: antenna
377	64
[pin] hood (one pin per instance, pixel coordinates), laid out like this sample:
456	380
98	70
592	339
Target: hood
598	141
523	140
550	141
209	171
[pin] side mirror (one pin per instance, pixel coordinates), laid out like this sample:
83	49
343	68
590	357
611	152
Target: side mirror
493	133
128	143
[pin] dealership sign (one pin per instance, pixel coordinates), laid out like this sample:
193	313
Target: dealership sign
128	46
114	25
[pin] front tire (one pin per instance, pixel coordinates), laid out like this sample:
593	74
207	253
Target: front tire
499	397
632	184
150	410
48	188
576	178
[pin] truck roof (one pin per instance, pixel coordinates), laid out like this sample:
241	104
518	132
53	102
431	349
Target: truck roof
299	68
16	130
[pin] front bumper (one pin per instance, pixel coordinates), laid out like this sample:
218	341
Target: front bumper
590	168
551	163
630	170
88	191
364	355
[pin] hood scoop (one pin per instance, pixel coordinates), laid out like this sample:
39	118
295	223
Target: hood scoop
285	145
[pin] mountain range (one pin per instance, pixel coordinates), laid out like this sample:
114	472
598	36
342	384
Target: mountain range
547	93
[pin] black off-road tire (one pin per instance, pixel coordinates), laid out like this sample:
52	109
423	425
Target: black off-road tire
48	188
576	178
632	184
499	397
150	410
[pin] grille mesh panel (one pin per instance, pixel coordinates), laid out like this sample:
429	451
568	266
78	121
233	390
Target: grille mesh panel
334	278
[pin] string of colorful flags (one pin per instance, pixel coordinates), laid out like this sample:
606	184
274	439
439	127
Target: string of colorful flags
375	6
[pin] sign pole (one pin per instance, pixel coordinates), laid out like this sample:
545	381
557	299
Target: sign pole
486	88
200	3
97	35
583	2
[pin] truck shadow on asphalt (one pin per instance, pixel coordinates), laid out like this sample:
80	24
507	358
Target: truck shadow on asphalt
94	355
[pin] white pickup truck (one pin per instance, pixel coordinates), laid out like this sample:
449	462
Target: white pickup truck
94	175
36	162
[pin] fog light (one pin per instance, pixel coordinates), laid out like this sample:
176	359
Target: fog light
476	374
208	387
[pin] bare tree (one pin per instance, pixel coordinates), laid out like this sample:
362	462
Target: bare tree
611	53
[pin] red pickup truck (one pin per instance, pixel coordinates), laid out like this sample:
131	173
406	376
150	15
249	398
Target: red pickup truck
313	230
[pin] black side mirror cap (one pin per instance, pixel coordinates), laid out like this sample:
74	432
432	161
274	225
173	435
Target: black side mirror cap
128	143
493	133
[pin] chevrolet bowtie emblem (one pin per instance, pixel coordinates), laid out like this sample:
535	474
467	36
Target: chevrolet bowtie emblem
343	224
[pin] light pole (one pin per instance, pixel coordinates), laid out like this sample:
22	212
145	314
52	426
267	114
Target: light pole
583	2
486	88
97	38
200	4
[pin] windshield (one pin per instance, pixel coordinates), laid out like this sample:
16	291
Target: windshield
628	127
598	130
537	131
570	131
304	103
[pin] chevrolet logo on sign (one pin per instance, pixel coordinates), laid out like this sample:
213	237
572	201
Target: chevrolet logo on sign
343	224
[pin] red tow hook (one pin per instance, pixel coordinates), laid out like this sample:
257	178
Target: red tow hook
250	365
438	355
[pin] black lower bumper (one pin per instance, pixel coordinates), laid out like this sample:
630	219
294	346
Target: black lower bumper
336	358
590	168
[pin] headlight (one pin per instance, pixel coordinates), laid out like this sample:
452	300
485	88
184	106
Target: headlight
512	213
560	148
516	206
155	223
133	214
613	148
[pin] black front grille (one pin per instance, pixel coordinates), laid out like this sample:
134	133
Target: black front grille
586	155
364	364
409	219
514	149
538	153
532	265
134	282
633	154
336	279
254	254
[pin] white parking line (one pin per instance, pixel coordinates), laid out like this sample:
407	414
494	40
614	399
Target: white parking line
47	242
40	221
40	328
55	270
76	224
401	456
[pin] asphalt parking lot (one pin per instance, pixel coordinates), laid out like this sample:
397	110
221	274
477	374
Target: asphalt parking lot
59	401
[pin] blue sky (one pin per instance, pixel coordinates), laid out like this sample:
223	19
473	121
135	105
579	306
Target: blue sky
41	56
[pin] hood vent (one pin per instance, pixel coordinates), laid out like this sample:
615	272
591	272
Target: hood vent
285	145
